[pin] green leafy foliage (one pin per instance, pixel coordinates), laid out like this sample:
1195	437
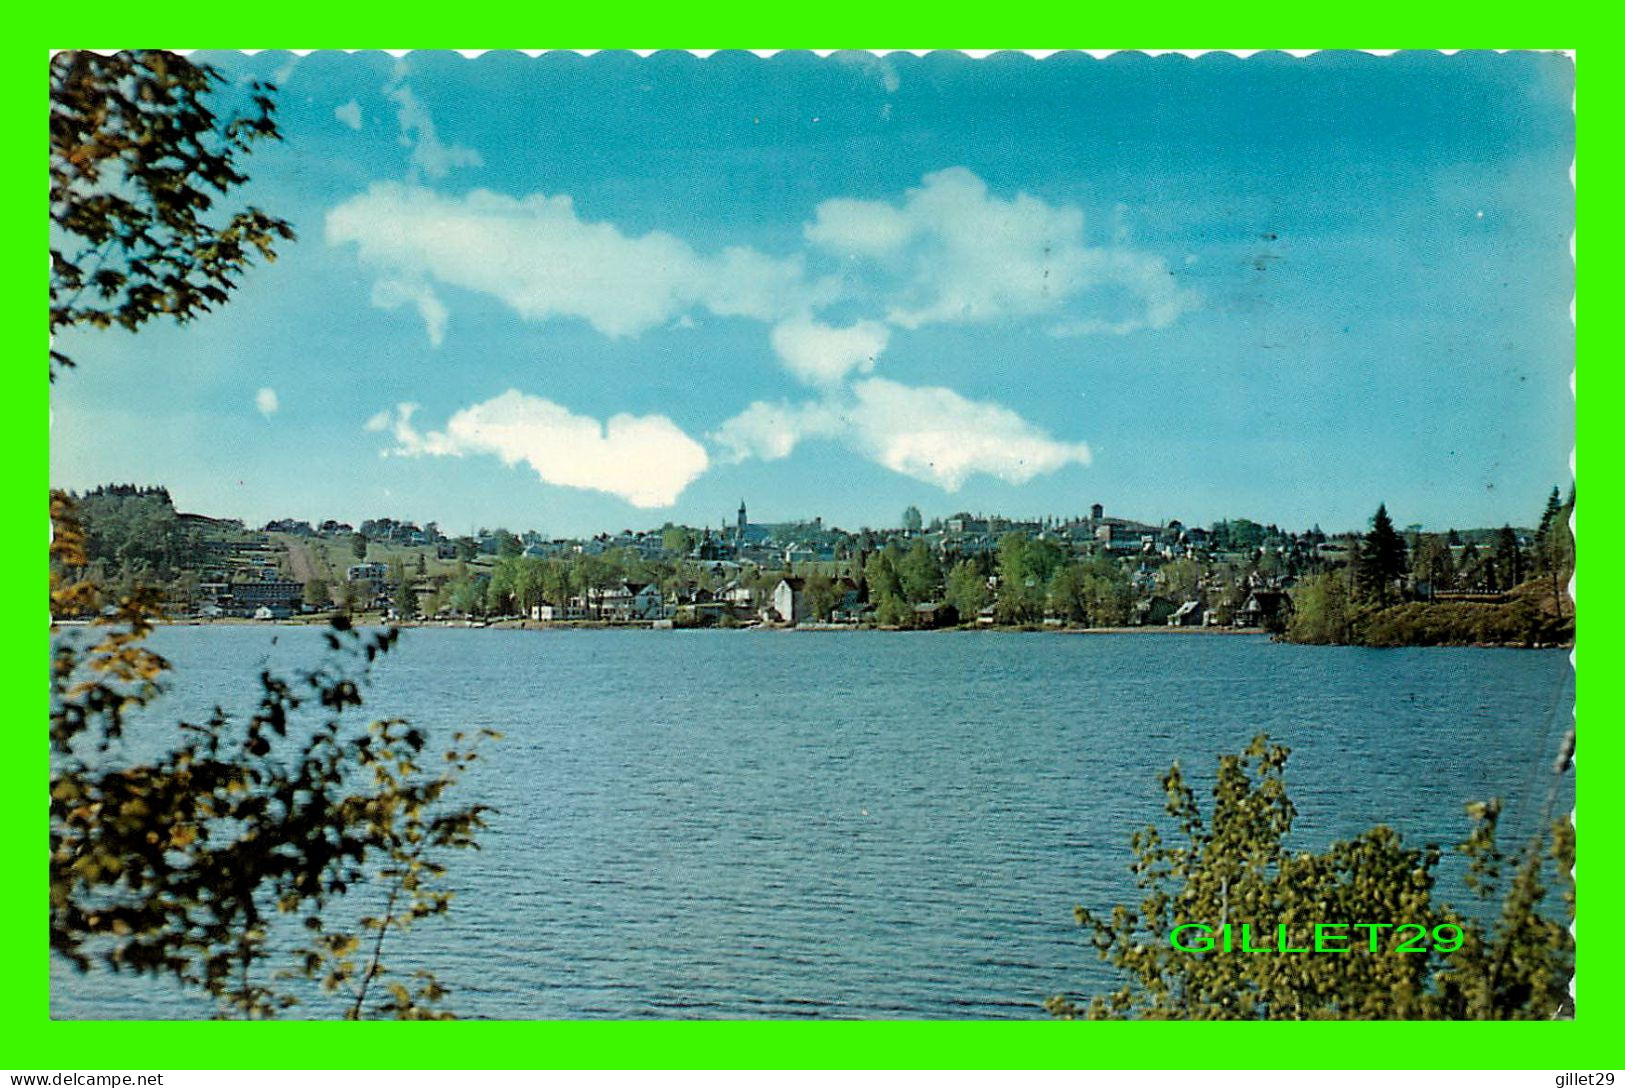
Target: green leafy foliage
138	159
1025	565
1521	621
678	539
919	574
967	590
1433	563
181	864
1323	611
1520	592
823	593
133	535
1234	865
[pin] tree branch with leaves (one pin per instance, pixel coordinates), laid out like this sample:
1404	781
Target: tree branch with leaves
1234	866
182	864
138	160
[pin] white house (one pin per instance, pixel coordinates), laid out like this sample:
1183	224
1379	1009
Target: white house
633	601
552	613
790	600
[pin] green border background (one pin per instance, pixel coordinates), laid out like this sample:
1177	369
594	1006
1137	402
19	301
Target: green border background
36	1042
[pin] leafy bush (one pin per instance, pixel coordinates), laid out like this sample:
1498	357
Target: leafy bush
182	863
1237	868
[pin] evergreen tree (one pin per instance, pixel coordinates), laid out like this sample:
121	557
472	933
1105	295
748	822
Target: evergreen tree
406	602
1509	560
881	579
1554	547
1476	572
1549	518
1381	559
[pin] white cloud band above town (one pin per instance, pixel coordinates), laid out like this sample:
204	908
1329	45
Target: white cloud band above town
954	253
929	433
540	259
949	252
645	460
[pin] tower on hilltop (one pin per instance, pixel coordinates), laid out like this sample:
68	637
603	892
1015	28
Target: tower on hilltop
741	523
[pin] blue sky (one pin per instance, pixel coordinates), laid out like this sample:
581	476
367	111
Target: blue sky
584	294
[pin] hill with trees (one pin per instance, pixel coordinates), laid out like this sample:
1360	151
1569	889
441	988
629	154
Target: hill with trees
1436	593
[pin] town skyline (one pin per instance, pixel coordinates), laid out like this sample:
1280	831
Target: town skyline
642	288
1097	512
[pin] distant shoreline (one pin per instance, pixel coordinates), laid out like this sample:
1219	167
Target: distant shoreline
647	625
604	625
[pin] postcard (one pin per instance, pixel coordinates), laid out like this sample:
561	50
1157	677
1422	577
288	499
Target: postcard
905	536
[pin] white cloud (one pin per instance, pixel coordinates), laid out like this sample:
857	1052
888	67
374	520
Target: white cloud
645	460
935	435
409	442
429	155
771	432
265	401
927	433
388	294
742	282
350	114
1145	279
866	228
543	261
955	253
820	354
951	252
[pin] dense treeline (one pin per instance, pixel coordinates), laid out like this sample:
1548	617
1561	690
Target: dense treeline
133	536
1428	593
1383	587
1024	581
515	584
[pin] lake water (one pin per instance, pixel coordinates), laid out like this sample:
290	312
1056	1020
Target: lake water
867	824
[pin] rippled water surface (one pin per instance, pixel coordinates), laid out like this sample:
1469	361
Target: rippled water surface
864	824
